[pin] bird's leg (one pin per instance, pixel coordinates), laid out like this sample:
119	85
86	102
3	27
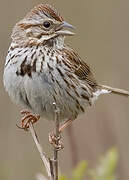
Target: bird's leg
28	117
66	124
55	141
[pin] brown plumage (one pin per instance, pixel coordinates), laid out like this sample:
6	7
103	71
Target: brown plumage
48	10
40	69
81	69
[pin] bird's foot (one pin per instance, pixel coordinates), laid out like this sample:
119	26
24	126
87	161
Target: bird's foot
55	141
27	119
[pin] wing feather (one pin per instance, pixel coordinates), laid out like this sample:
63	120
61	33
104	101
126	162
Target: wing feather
81	69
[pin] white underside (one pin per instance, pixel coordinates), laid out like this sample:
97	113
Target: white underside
39	89
98	93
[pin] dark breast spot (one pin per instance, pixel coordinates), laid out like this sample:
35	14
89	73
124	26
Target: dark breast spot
27	68
34	65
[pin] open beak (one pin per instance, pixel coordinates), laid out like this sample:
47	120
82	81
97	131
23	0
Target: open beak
62	31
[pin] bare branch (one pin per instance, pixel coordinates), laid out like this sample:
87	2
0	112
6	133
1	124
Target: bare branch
57	134
42	154
51	165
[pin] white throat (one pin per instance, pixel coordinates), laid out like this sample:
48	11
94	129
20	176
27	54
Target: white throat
58	42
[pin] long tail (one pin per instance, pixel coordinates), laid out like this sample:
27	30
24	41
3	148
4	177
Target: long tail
114	90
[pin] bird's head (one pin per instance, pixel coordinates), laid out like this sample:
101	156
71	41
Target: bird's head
42	24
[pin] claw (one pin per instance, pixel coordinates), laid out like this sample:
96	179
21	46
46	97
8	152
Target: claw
20	127
55	141
28	117
24	112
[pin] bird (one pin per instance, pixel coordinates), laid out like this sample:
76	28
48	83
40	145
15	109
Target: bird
40	70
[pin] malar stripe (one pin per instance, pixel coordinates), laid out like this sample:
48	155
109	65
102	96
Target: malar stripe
39	36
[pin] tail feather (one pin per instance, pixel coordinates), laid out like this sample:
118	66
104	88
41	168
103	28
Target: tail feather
114	90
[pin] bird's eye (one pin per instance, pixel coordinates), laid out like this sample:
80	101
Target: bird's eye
46	24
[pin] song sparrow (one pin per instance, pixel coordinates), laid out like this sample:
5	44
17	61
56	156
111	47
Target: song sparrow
40	69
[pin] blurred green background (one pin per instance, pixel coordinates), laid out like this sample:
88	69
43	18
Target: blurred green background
102	39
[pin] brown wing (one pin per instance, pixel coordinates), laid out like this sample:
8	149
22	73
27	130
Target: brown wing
81	69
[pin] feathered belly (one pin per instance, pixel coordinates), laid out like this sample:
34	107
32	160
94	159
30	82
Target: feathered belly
38	93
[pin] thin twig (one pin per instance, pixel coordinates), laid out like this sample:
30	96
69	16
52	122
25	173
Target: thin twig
42	154
57	134
51	168
51	165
